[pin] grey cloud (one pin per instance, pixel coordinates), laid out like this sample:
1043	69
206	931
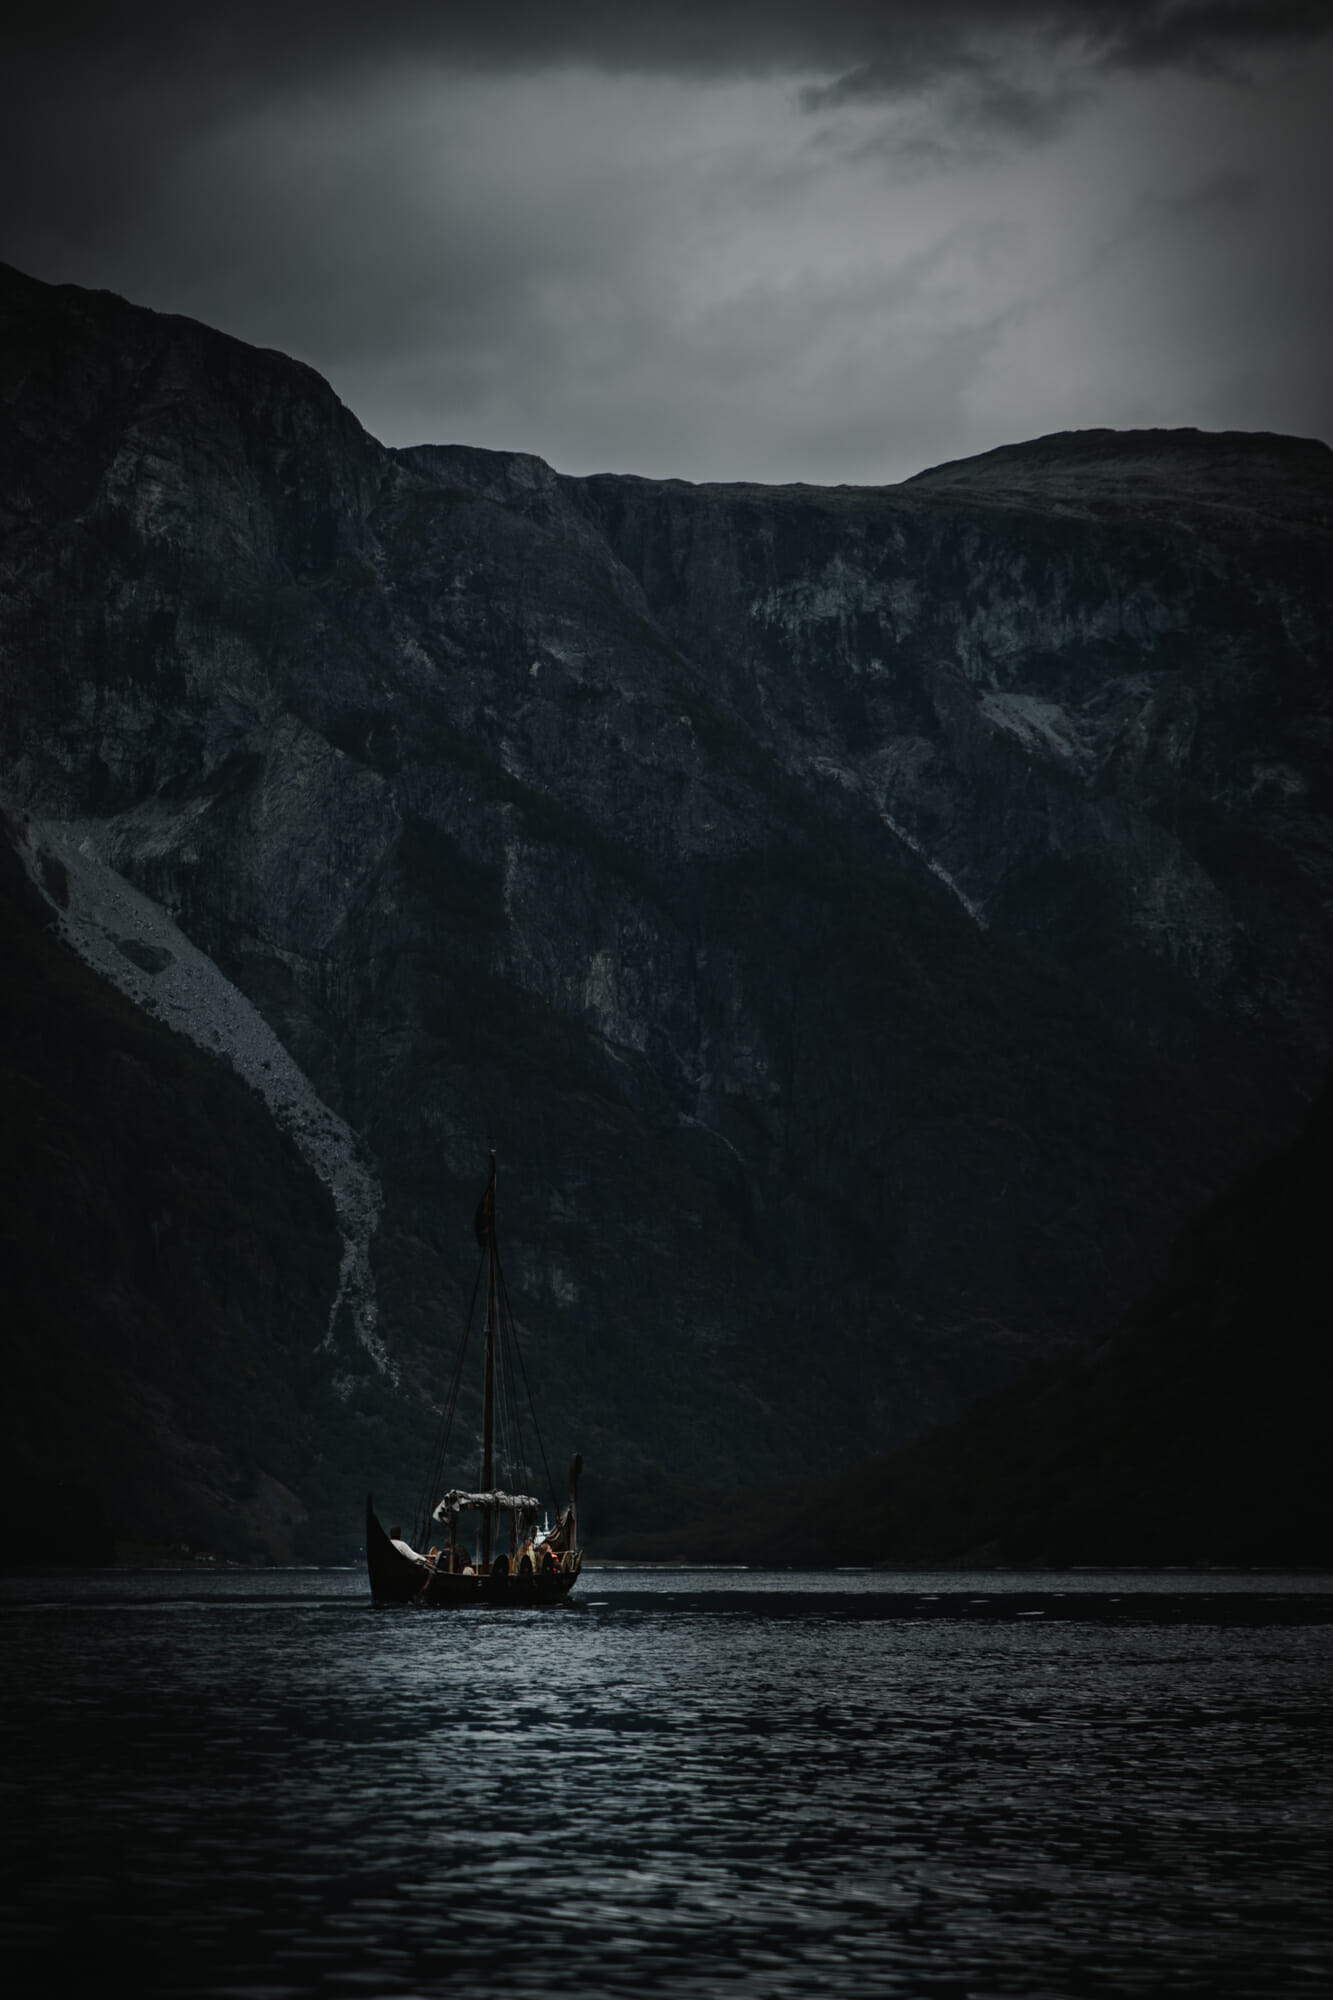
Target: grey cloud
285	40
987	98
1209	34
103	101
765	390
316	179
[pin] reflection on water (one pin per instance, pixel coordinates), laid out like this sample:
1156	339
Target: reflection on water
689	1784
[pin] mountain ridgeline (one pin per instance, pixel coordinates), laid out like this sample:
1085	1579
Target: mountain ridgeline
867	922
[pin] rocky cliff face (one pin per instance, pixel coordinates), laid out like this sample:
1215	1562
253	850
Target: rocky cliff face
865	921
168	1365
1085	679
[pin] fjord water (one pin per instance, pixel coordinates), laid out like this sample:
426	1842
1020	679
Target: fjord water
683	1783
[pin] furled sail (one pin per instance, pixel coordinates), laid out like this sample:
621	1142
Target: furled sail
454	1503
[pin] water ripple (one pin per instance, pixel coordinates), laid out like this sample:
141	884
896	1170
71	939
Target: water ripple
259	1788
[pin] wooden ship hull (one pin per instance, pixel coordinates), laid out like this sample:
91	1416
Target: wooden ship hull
398	1576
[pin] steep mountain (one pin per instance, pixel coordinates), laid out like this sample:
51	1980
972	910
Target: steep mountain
1196	1433
1193	1433
167	1260
866	921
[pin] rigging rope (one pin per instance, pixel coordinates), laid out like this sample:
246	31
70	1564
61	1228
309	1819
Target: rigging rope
422	1519
504	1294
507	1403
511	1430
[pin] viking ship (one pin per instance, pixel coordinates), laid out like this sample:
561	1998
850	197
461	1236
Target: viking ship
438	1568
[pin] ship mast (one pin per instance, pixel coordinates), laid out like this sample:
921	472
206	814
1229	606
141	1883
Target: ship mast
488	1391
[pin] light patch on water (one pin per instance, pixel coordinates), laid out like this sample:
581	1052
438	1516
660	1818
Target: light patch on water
770	1786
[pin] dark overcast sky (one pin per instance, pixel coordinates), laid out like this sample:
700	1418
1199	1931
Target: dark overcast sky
759	239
